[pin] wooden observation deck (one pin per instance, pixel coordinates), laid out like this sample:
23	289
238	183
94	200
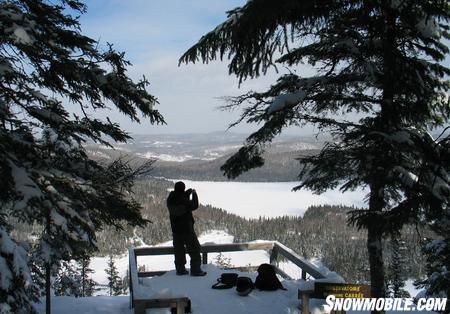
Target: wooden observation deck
275	250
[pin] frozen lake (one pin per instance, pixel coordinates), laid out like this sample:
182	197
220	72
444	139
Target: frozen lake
271	199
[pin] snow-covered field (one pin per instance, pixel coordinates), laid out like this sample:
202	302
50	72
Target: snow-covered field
271	199
165	157
92	305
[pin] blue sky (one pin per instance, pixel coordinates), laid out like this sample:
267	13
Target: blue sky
154	34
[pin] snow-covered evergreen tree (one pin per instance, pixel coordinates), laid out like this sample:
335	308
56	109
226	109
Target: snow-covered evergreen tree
438	259
114	280
437	217
67	281
126	283
49	69
15	277
396	270
87	284
379	60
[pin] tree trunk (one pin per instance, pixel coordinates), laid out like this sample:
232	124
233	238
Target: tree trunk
387	118
375	245
48	269
48	297
83	281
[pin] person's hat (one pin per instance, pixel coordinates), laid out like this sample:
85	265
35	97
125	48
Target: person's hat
244	286
179	186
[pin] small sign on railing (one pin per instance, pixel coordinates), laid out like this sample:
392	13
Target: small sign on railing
340	290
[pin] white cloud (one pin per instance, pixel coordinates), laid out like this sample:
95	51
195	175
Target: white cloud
154	34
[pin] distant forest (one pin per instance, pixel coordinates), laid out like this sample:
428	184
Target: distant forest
279	166
322	233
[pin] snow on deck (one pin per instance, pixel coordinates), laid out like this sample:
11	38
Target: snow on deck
206	300
198	289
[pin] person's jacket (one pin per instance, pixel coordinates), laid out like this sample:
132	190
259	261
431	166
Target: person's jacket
180	209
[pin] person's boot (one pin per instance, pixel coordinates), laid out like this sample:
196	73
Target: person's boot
198	273
182	272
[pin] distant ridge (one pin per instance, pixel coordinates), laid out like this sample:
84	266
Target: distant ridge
199	156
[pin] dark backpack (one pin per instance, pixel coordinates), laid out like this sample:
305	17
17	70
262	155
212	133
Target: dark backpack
226	281
267	278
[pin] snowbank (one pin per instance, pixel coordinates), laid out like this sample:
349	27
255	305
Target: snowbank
92	305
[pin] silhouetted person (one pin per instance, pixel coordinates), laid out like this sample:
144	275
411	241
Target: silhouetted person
180	207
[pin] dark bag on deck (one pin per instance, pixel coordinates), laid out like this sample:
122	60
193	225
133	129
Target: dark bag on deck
244	285
226	281
267	278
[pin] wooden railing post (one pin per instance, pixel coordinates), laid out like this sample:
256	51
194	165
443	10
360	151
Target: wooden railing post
304	273
204	258
134	279
130	287
274	256
305	303
131	257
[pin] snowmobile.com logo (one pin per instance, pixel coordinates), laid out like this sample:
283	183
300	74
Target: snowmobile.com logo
385	304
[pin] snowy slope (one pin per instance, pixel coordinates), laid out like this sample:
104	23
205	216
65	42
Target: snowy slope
92	305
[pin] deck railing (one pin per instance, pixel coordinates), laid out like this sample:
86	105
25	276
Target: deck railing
274	248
